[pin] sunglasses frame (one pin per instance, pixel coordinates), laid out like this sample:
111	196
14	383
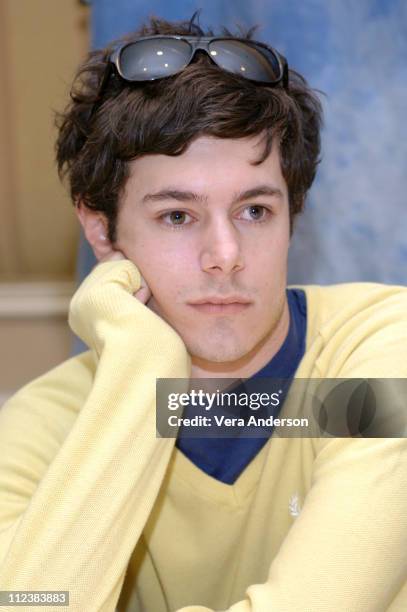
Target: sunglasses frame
201	43
197	43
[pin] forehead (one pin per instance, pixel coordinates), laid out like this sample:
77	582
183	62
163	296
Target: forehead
207	166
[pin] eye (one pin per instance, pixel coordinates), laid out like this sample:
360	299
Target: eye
175	218
256	212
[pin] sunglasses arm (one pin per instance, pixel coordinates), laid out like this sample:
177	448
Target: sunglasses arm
285	74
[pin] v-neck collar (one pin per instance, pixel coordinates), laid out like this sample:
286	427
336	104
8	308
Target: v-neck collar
207	487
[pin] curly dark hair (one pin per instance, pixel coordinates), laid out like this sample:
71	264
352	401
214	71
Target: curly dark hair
98	138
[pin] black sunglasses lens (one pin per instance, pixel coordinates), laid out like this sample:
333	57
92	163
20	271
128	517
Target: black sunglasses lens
248	60
145	60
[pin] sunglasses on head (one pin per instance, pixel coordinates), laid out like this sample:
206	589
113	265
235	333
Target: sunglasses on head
151	58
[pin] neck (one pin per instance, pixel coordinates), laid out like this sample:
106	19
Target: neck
253	361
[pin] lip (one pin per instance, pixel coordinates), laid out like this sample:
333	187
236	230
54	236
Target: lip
224	306
233	299
224	309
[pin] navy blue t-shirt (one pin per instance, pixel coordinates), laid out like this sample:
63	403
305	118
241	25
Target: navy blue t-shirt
226	458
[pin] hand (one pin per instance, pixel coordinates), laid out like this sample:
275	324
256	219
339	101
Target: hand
104	310
104	302
144	293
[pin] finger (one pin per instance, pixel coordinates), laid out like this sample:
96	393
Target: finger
144	293
112	256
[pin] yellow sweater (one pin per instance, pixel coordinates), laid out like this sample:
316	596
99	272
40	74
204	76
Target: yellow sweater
93	503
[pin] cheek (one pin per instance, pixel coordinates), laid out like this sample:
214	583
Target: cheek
267	257
266	272
167	271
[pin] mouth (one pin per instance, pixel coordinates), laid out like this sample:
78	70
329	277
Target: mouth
224	306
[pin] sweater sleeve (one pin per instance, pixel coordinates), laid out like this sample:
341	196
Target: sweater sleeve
72	525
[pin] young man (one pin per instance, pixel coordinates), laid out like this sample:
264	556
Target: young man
188	160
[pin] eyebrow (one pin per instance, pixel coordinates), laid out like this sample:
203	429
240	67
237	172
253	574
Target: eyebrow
174	194
190	196
254	192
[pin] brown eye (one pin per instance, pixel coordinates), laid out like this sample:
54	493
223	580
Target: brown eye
177	217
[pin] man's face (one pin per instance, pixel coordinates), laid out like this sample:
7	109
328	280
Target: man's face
208	226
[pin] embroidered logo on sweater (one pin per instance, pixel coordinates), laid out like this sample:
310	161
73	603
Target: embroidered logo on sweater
294	506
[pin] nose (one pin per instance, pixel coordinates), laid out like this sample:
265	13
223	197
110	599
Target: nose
221	252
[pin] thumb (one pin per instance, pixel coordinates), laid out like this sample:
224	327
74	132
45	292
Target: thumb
144	293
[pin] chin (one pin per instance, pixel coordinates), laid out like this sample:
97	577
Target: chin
217	353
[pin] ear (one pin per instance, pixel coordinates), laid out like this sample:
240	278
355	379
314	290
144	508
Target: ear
94	225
